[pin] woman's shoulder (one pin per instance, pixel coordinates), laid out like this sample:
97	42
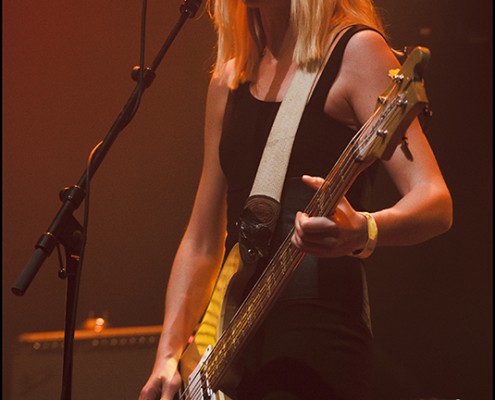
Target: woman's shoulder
368	46
363	74
367	58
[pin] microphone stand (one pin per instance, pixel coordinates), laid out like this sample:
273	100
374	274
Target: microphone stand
65	229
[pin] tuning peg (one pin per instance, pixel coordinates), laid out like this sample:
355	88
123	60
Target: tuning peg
393	73
427	112
405	149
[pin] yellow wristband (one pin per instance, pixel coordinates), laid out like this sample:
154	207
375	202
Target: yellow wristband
370	245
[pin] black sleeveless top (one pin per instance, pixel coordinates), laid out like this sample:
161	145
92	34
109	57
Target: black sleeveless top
318	144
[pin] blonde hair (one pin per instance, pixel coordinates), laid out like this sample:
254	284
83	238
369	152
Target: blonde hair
240	35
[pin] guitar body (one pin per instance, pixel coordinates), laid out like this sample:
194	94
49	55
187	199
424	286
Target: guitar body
224	302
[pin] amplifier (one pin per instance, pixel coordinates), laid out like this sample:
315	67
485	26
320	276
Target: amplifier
113	363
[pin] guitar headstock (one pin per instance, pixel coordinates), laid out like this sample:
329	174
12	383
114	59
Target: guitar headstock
396	108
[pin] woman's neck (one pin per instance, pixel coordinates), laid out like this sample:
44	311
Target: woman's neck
276	26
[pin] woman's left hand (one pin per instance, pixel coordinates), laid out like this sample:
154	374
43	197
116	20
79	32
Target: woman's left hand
337	235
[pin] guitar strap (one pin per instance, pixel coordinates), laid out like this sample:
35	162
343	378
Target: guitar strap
261	211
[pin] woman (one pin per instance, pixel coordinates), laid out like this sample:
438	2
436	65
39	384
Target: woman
316	341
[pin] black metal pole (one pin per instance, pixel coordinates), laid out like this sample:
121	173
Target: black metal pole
72	272
65	229
74	195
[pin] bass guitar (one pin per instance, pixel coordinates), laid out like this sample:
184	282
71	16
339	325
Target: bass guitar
208	363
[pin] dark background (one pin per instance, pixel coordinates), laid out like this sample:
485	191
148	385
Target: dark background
66	76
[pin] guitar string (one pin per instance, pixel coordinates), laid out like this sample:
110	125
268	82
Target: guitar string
278	273
318	198
316	207
211	364
273	274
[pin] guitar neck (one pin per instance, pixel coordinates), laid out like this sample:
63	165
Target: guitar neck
378	138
